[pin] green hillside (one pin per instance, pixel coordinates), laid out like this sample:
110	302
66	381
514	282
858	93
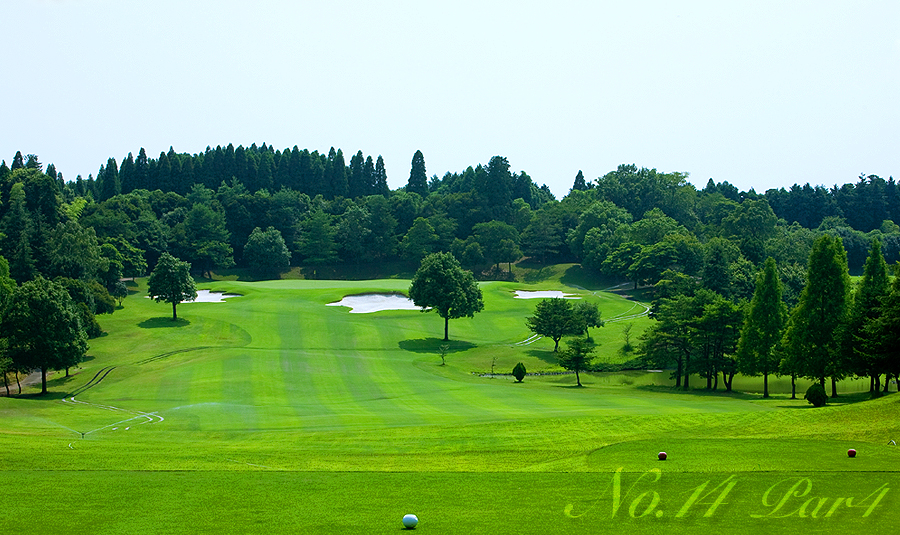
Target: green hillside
272	412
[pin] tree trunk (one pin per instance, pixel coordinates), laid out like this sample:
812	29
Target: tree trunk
876	383
6	382
577	377
174	313
678	376
556	344
793	386
766	385
18	383
446	329
872	383
833	388
43	380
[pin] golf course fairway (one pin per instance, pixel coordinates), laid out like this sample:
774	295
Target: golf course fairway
274	413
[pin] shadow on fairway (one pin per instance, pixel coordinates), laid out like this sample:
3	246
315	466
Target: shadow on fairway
433	345
547	356
577	276
51	395
156	323
700	392
842	399
537	274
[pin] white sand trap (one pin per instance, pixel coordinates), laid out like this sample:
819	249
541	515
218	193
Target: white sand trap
366	303
524	294
206	296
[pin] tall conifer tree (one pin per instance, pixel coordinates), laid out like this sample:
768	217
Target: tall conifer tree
381	185
867	300
811	340
418	179
340	185
109	184
357	180
763	327
881	332
126	175
580	184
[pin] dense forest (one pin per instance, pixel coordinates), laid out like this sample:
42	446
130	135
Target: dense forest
265	210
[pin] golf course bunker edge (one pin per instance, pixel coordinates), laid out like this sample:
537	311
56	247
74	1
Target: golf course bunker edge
207	296
547	294
375	302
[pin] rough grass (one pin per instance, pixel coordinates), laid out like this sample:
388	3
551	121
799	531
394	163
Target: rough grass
274	413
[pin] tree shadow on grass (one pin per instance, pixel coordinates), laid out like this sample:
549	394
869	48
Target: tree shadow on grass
51	395
700	392
156	323
537	275
433	345
546	355
56	386
842	399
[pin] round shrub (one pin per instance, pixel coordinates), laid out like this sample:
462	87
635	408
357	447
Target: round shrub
519	372
816	395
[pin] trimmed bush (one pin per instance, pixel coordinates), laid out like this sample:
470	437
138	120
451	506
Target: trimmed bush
816	395
519	372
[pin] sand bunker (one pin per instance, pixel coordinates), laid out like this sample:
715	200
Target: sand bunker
524	294
206	296
366	303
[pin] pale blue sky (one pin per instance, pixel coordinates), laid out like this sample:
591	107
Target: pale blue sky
759	93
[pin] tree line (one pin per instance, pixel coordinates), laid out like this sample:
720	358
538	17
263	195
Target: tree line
833	331
265	210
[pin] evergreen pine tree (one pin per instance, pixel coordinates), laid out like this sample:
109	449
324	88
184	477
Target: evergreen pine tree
127	175
763	327
867	300
811	340
357	180
881	332
18	162
109	184
141	171
369	176
340	185
16	230
580	184
380	179
418	179
163	174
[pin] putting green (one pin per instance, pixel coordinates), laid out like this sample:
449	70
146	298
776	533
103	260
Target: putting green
275	411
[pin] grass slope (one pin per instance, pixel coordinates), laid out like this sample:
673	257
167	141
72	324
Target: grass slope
273	412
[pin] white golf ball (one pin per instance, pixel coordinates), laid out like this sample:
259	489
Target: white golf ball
410	521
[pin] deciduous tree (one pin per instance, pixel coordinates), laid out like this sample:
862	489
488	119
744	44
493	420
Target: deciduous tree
171	282
441	284
555	318
266	251
43	329
419	241
576	357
